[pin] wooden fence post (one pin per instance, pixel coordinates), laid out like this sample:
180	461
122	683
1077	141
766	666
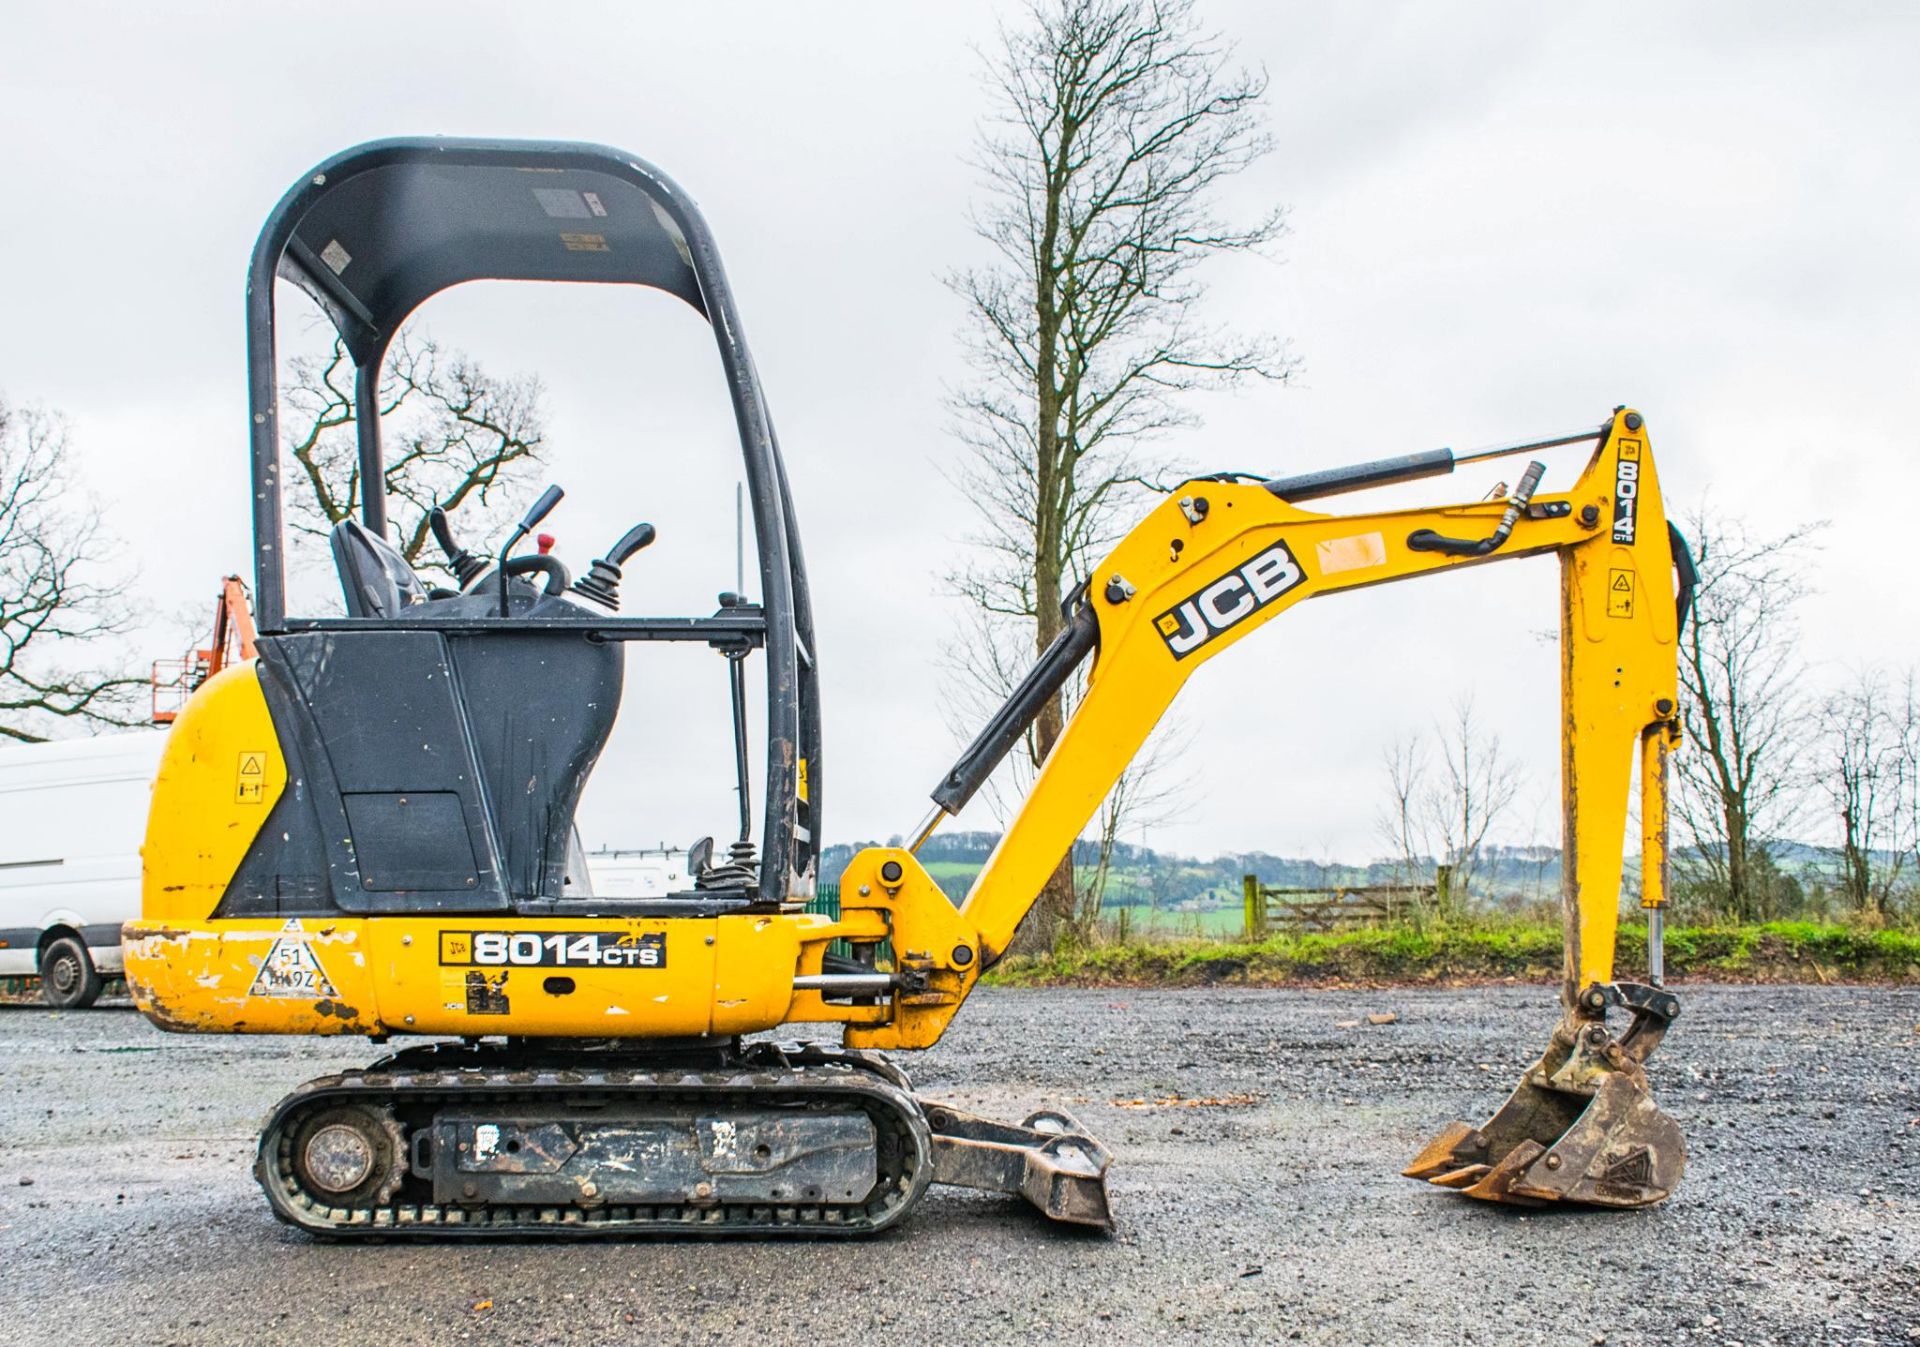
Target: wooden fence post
1256	908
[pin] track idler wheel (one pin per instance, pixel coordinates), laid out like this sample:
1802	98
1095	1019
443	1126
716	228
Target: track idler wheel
1581	1126
349	1155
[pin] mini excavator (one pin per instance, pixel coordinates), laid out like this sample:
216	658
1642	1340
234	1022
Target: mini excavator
367	827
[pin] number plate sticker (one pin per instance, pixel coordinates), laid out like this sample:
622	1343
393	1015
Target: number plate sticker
553	949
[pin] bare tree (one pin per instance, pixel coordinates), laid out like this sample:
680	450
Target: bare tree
1445	812
1741	690
454	437
1400	820
1476	784
1863	770
1906	827
57	602
1114	124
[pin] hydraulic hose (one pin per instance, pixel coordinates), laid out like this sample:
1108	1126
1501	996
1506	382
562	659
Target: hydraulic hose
1426	540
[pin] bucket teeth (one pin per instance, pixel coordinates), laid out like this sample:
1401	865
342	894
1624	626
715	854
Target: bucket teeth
1463	1177
1497	1183
1444	1154
1612	1148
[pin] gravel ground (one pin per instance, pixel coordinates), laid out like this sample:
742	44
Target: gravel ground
1276	1219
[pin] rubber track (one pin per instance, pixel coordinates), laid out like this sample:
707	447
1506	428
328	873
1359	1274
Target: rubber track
839	1081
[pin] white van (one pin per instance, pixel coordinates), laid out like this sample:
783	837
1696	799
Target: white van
73	814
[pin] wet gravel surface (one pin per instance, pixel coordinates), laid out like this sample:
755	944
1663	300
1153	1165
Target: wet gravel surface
128	1213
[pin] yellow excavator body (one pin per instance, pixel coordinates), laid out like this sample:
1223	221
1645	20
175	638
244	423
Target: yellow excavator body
223	772
366	828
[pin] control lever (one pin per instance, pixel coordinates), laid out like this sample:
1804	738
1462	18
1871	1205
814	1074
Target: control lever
601	583
539	510
1426	540
465	564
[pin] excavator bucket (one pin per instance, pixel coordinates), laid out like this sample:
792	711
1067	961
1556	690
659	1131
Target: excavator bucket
1580	1127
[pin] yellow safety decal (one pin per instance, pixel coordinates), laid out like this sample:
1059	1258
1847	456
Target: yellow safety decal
803	781
1619	592
250	781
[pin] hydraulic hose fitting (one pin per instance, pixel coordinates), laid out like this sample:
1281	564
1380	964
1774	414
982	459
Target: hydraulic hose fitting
1426	540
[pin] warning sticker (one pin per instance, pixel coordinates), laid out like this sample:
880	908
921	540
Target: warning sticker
292	969
335	256
593	203
585	243
1358	552
250	781
1619	593
561	203
487	995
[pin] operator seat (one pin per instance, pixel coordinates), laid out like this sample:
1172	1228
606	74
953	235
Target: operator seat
377	579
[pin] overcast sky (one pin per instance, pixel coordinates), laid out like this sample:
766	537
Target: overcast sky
1505	220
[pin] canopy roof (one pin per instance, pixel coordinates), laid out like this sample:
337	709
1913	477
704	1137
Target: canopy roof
376	231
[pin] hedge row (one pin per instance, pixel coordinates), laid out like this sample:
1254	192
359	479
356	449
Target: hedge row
1773	952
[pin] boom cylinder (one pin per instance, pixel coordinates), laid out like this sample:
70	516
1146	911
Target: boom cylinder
1045	679
1360	476
1409	467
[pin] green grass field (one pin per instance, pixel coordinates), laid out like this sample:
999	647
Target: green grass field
1527	951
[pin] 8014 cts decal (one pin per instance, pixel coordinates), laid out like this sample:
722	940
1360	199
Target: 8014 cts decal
1626	492
553	949
1219	606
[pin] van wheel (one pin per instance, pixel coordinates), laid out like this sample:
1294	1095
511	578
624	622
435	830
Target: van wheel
67	976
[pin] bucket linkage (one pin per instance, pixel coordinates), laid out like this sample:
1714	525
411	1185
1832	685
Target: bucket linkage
1581	1126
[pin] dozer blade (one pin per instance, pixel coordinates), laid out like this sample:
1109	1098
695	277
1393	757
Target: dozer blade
1050	1159
1611	1148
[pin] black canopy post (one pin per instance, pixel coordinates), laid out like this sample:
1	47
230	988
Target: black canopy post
263	405
366	420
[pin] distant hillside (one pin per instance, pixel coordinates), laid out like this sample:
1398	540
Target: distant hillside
1143	877
1183	890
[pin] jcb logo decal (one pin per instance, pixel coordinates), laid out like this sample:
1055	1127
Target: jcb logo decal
1229	600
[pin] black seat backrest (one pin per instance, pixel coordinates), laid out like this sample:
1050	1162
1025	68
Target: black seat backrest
377	580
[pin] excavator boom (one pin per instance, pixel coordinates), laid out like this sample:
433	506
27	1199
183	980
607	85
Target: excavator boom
1219	559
